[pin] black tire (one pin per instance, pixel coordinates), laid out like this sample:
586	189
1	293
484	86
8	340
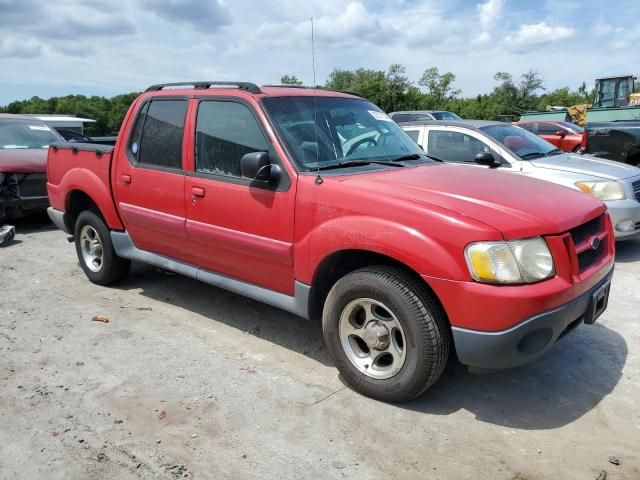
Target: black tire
112	268
425	328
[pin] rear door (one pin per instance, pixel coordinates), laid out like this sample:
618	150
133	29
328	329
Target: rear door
149	178
548	131
236	226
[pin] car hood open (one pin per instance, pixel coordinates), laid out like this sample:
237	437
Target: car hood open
516	205
27	160
587	165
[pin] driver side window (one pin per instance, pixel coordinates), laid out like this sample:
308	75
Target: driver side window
454	146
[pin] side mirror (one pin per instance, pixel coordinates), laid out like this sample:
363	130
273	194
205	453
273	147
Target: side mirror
487	159
257	166
561	133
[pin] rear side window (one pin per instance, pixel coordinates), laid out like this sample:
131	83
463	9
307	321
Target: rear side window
160	127
454	146
526	126
414	134
547	128
403	117
225	131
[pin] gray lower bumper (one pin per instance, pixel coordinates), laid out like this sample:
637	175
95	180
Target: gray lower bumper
57	217
526	341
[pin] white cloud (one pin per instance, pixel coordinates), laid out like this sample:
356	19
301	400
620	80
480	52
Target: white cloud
539	33
490	12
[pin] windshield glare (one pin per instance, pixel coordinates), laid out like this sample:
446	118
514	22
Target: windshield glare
445	116
344	130
518	140
14	135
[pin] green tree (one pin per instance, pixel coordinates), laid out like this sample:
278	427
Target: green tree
290	80
439	87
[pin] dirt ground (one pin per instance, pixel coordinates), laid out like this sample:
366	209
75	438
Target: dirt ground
189	381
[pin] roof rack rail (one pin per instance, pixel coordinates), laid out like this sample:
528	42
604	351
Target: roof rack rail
248	86
284	85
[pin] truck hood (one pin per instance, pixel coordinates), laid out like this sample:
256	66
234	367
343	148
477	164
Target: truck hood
587	165
515	205
23	160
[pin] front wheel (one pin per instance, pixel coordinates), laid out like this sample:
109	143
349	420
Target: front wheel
386	333
95	251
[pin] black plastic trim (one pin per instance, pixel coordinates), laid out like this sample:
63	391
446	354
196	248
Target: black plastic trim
97	148
499	350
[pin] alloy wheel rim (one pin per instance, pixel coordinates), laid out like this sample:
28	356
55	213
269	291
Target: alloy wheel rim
372	338
91	248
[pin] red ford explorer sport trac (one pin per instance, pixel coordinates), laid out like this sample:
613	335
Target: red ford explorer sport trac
316	202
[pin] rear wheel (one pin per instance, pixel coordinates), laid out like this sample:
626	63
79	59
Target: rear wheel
386	333
95	251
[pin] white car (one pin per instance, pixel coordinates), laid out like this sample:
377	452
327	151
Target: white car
488	144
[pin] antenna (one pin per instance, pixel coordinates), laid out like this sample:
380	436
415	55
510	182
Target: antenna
315	104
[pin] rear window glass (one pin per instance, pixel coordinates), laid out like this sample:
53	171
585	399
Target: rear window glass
161	140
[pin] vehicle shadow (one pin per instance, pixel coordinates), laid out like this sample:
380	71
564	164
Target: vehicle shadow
250	316
628	251
566	383
569	381
34	223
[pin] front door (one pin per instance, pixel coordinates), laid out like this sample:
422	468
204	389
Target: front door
149	182
236	226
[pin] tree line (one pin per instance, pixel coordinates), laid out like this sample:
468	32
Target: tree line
390	89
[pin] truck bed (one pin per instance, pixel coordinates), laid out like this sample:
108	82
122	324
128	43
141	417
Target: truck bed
81	166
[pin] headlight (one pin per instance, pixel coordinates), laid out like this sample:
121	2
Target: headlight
517	261
605	190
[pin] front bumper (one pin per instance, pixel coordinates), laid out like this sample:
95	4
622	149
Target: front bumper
625	210
527	340
25	194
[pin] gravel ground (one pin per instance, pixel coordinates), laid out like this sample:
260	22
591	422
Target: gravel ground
189	381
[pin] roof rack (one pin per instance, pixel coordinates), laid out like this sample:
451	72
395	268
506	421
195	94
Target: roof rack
284	85
248	86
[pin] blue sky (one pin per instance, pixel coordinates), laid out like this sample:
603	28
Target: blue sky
107	47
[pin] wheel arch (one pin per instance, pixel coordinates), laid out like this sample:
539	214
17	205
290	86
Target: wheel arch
86	190
341	262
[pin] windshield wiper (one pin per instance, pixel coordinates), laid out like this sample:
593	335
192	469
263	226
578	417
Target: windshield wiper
358	163
531	155
415	156
555	151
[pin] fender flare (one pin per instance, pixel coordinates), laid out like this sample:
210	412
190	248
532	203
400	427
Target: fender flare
89	183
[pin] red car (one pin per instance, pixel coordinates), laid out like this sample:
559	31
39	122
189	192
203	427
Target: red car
24	142
564	135
318	203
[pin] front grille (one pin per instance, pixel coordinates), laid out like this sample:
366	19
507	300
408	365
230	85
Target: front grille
590	256
636	189
32	185
586	230
582	237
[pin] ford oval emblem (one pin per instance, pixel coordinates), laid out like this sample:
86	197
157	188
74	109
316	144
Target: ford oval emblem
595	243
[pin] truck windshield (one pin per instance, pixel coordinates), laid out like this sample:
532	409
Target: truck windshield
323	131
523	143
26	135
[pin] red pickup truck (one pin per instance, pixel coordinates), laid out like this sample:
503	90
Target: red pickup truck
317	203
